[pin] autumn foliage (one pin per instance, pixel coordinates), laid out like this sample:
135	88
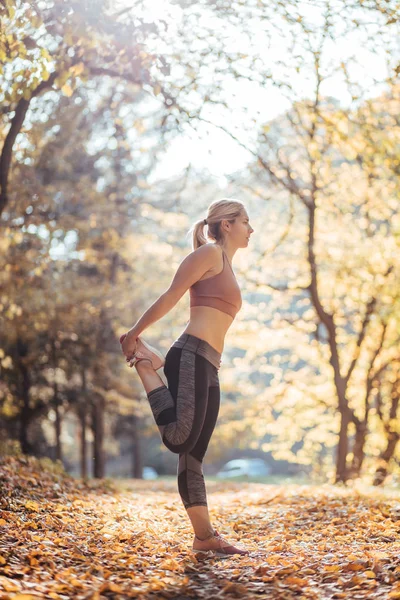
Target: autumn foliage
62	538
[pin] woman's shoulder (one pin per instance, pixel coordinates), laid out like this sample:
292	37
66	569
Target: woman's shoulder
210	255
209	250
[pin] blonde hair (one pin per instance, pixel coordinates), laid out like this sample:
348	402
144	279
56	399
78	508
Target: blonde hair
217	211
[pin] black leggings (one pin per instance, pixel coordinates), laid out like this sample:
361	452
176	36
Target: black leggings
186	411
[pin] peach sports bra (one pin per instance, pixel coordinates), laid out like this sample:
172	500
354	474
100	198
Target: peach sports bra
220	291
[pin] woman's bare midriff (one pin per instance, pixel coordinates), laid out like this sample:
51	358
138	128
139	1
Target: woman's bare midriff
209	324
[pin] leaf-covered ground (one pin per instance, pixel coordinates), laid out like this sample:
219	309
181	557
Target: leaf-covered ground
60	538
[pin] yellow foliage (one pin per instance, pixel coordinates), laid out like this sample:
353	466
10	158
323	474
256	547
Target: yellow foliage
67	90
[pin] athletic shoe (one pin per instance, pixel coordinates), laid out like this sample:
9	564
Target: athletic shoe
218	545
146	352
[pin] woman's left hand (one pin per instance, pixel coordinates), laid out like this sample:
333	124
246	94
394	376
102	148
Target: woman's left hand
129	345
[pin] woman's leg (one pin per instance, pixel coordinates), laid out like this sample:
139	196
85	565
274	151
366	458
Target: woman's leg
150	378
191	482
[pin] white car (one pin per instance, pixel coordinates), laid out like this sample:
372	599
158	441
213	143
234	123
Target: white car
244	467
149	473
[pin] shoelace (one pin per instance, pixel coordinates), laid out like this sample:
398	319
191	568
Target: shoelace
222	539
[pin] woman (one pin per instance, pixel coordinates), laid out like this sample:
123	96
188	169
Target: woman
186	411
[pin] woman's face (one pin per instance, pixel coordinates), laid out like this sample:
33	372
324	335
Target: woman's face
241	230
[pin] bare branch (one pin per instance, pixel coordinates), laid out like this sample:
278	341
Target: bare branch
375	355
290	184
361	336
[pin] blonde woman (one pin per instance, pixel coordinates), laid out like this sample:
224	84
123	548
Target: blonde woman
186	410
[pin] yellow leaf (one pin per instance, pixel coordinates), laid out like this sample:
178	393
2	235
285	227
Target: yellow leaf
62	79
370	574
77	69
169	565
296	581
8	585
25	597
32	505
354	567
109	586
67	90
2	521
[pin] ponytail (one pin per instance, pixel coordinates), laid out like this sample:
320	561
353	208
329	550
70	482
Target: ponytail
199	239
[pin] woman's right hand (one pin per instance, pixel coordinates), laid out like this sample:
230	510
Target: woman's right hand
129	345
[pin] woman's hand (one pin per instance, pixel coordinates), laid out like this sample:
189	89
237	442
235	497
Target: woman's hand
128	344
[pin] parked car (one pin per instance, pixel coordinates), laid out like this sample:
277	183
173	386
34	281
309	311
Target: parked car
149	473
244	467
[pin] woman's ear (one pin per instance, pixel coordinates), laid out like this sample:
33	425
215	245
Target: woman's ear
225	224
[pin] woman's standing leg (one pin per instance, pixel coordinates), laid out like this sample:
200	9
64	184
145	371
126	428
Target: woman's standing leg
191	482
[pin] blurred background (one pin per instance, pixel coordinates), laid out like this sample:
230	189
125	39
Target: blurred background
120	122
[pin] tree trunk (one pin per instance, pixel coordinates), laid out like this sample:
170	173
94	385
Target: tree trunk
342	449
57	423
83	445
98	436
328	321
358	450
82	411
382	471
137	465
56	399
25	384
26	446
16	124
392	436
341	474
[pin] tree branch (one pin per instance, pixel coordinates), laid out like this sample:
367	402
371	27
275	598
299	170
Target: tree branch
361	336
15	128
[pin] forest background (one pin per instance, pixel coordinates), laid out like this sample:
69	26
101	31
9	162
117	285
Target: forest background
120	123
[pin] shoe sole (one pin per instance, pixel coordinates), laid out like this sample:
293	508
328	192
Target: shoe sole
219	554
212	553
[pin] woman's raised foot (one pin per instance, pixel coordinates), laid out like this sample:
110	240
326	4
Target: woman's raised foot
146	352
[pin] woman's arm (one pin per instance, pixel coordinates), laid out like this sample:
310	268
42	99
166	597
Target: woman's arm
191	269
156	311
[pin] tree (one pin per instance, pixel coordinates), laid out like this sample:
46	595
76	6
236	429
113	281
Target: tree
56	46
